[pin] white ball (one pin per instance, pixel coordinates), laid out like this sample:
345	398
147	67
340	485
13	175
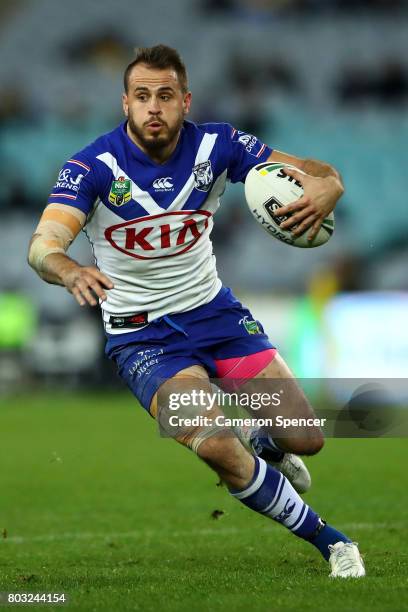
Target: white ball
267	189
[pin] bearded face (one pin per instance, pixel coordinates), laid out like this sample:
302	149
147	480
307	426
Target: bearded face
155	106
156	133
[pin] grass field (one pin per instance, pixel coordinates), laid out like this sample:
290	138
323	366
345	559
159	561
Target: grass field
96	505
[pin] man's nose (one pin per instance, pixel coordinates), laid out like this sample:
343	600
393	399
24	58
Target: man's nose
154	107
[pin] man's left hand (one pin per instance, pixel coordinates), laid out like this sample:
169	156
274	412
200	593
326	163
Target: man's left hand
319	199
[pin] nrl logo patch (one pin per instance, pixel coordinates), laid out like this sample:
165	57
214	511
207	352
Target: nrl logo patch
251	327
203	176
120	192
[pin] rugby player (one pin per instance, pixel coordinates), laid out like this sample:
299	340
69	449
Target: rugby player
145	194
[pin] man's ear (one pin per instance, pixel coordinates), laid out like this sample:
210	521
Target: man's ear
187	102
125	104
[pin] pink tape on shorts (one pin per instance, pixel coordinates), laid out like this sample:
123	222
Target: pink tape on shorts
236	371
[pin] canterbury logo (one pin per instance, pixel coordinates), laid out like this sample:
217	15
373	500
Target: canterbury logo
163	183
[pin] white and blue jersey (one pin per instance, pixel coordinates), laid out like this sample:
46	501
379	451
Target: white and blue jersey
149	224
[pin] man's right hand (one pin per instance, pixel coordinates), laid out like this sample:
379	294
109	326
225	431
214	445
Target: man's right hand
86	282
58	227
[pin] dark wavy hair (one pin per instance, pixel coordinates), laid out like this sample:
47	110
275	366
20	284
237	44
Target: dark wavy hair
159	56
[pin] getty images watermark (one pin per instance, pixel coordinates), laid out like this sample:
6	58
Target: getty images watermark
341	408
199	398
204	400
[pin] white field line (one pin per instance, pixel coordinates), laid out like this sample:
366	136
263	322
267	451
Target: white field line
148	533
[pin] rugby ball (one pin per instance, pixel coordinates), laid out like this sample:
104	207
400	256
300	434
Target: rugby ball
267	189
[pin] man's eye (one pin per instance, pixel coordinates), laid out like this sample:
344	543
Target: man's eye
165	97
142	98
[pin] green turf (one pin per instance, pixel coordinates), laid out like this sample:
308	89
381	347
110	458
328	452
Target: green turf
95	504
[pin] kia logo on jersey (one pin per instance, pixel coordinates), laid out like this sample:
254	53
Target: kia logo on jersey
156	236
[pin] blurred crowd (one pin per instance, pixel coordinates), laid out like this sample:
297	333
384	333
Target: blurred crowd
321	78
261	8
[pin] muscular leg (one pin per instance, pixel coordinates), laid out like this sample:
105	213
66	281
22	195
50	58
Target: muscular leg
250	479
277	377
223	452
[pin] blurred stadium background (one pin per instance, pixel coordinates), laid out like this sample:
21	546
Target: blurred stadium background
318	78
93	502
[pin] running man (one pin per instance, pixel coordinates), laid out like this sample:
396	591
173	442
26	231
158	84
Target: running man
145	194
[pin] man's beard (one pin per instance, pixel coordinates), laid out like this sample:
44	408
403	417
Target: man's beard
155	142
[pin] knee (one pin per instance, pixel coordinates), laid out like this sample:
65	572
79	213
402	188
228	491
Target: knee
306	446
314	445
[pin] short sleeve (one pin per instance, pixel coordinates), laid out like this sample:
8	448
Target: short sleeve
246	151
75	185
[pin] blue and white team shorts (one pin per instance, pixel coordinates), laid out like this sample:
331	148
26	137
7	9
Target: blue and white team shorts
211	336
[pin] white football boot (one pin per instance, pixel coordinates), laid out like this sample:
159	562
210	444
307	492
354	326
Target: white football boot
294	469
290	465
345	560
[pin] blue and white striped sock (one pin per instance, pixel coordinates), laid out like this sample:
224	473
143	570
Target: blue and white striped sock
270	493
